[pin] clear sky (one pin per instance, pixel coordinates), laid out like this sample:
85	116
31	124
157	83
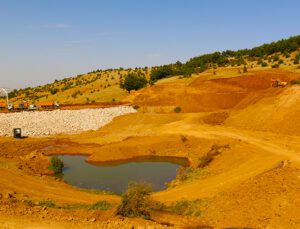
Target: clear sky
44	40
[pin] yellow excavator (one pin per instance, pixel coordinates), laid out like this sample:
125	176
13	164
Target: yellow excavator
278	83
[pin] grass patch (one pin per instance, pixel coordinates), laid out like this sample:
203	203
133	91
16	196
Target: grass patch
97	191
102	205
185	207
186	174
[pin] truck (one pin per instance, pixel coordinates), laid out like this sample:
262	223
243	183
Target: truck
48	105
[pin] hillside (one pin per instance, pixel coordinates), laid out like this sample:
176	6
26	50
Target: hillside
239	133
104	85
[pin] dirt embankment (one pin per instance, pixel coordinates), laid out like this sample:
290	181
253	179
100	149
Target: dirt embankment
210	95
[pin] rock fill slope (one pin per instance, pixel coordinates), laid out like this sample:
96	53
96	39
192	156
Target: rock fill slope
59	121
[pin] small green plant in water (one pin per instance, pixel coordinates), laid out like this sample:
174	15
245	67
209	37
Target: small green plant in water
56	165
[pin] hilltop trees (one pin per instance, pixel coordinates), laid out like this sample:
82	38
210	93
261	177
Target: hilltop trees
134	78
133	81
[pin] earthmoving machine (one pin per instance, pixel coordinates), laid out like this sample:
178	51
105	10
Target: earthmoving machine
25	106
20	106
48	105
278	83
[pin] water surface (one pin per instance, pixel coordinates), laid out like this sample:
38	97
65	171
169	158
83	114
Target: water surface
114	177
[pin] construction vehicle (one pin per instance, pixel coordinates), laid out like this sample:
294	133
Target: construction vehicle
20	106
48	105
32	107
278	83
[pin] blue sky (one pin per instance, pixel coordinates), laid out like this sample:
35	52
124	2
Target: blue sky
44	40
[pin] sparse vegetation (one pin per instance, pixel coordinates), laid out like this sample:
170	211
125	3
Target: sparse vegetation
102	205
185	207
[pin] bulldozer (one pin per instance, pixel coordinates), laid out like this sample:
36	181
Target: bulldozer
278	83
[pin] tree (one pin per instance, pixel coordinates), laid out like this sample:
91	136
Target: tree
53	91
133	81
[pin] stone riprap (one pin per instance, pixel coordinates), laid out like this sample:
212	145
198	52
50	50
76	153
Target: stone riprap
41	123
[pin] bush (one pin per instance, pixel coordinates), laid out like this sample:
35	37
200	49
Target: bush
295	81
133	81
264	64
76	93
177	109
136	107
136	201
56	165
181	174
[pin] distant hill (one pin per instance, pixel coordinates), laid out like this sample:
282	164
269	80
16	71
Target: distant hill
104	85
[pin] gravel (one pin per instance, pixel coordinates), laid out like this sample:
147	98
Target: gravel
41	123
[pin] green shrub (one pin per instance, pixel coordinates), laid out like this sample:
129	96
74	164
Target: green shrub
136	201
177	109
133	81
276	58
56	165
264	64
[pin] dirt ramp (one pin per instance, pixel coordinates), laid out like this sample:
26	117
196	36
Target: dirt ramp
278	113
216	118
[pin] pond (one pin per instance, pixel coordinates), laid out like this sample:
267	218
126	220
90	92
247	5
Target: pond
114	177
